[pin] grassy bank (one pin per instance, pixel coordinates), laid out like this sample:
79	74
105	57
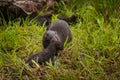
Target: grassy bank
94	53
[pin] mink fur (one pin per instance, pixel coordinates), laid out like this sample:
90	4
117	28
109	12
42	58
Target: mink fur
60	29
46	54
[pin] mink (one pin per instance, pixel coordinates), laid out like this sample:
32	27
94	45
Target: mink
46	54
60	29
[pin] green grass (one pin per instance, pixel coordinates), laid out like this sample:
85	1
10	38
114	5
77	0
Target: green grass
93	54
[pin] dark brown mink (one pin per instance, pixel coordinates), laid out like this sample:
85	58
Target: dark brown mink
46	54
61	29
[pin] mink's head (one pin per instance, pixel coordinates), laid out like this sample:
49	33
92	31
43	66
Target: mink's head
47	38
49	35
